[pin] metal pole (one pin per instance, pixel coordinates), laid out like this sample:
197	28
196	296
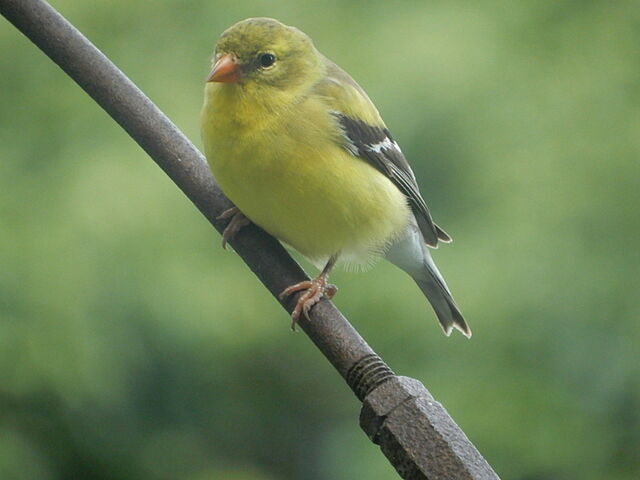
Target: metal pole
414	431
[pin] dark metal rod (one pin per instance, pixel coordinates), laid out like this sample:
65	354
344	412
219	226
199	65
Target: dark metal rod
347	351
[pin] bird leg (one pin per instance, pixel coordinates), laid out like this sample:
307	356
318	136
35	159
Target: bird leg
238	220
313	290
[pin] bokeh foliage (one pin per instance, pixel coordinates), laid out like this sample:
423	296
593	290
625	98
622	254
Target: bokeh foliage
132	346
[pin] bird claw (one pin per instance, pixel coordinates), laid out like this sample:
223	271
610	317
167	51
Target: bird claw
238	220
313	290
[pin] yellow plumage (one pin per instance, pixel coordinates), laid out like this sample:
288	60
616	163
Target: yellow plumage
287	173
302	152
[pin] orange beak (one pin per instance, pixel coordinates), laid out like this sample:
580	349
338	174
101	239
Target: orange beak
226	70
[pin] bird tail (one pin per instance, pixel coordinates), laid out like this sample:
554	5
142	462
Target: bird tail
435	289
411	255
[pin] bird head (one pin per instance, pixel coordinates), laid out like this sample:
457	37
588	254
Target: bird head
262	53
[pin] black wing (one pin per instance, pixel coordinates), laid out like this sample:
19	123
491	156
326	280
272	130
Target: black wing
377	147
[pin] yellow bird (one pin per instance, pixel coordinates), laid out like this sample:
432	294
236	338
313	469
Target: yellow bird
301	150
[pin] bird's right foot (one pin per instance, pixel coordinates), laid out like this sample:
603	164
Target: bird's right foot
238	220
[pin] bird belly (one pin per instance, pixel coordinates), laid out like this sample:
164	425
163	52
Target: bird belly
320	204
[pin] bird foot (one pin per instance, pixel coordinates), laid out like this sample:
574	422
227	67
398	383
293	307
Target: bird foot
313	290
238	220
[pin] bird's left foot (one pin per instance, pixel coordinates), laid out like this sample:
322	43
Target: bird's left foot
238	220
314	290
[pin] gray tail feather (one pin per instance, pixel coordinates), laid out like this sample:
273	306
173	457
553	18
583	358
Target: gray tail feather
435	289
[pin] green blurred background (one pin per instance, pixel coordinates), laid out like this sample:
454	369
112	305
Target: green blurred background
133	347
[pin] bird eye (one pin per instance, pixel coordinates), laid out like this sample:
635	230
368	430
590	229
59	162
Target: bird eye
267	59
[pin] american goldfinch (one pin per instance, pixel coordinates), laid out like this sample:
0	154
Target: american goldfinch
300	149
